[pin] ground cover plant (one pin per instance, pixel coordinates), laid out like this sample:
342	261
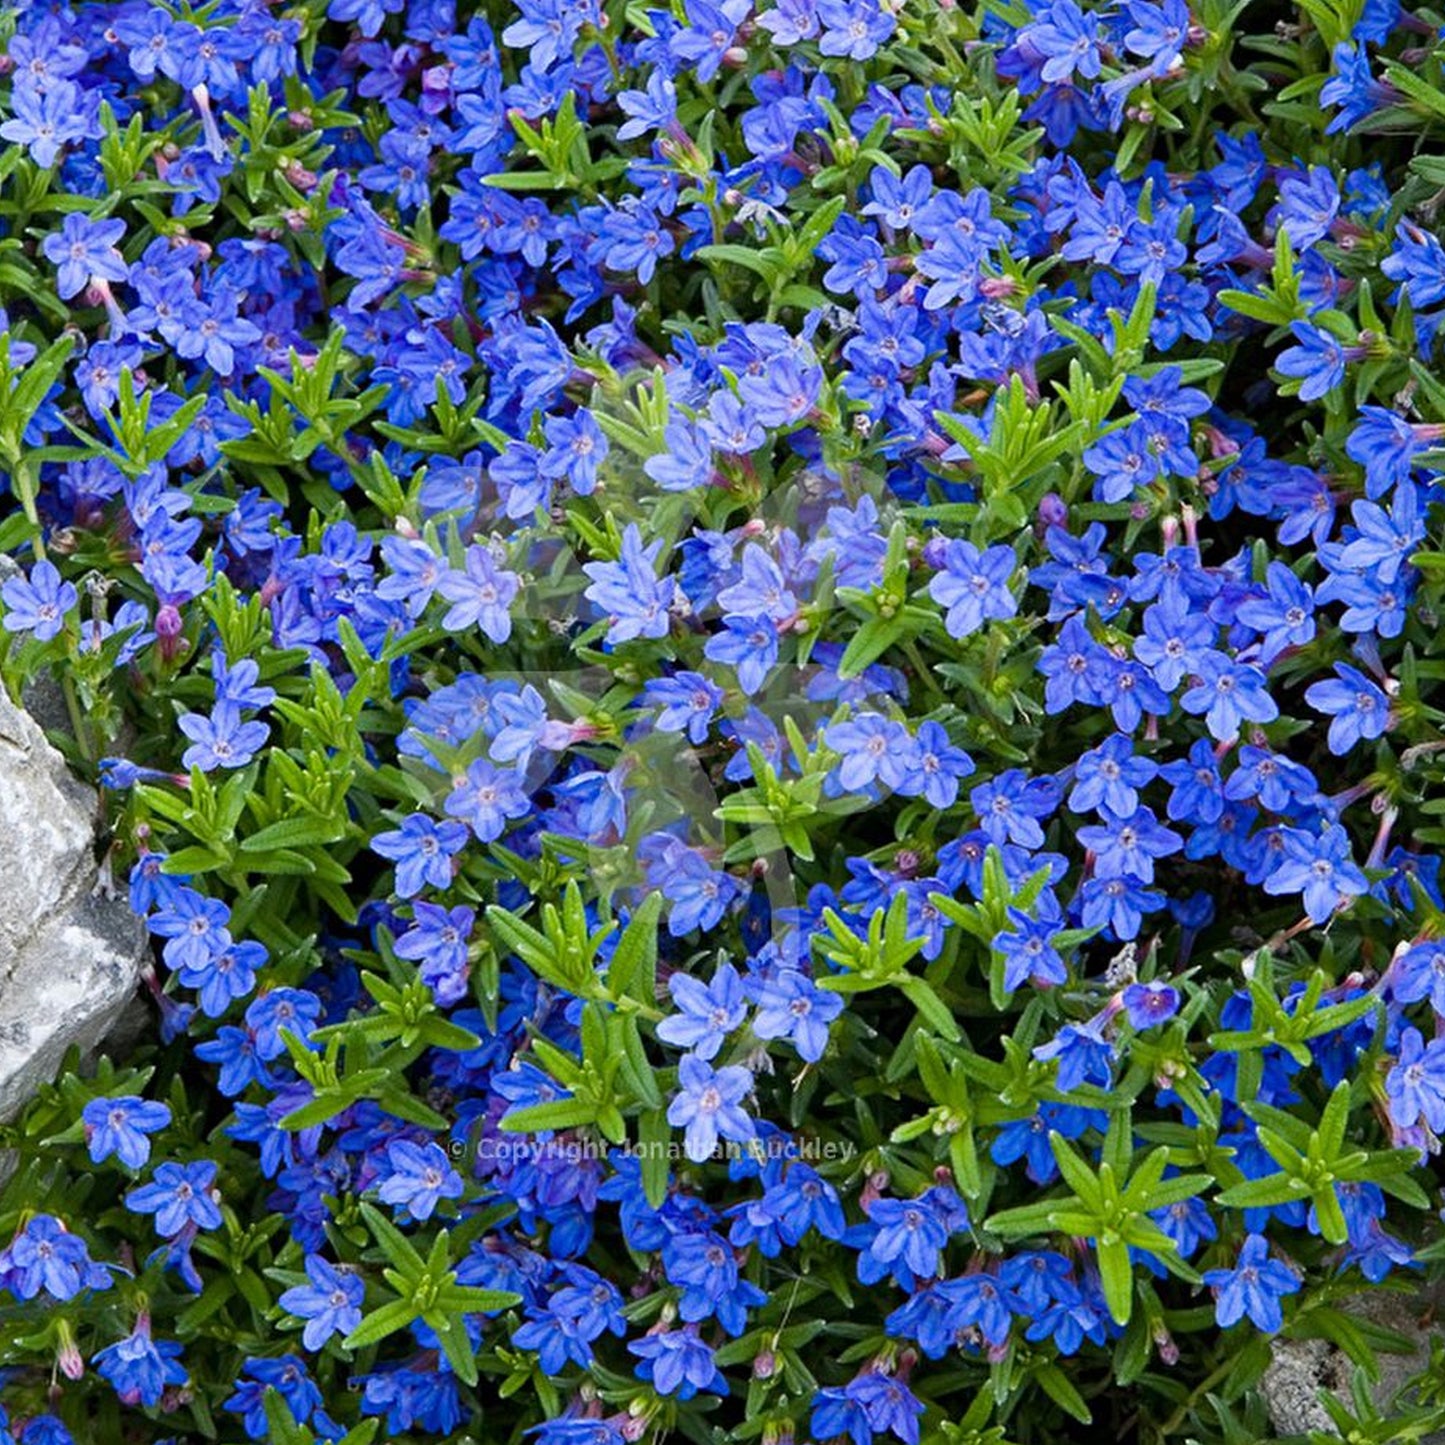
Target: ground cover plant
770	678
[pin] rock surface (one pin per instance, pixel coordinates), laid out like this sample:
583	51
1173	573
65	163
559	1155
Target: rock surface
69	955
1300	1369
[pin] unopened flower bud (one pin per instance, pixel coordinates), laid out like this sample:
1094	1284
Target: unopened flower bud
67	1353
169	626
1053	510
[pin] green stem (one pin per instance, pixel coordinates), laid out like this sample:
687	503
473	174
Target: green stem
24	489
925	673
1194	1397
77	717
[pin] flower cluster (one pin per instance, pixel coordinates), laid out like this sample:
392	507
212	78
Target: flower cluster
768	674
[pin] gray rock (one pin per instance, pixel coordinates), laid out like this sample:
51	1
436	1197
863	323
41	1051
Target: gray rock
70	954
1301	1369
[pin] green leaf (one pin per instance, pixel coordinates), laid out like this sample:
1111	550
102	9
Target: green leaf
478	1301
395	1245
761	263
386	1320
442	1033
452	1336
1077	1175
931	1008
632	969
1263	1193
869	643
1117	1278
1060	1389
295	833
555	1114
1403	78
653	1136
1025	1219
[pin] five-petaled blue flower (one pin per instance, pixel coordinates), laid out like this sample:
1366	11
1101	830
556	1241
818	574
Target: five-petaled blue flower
330	1304
178	1195
120	1125
708	1106
1254	1288
973	586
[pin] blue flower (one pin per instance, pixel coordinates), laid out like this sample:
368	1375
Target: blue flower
707	1106
45	123
872	1403
1148	1004
422	850
1321	868
1285	616
1028	951
286	1374
39	604
1253	1288
487	798
194	928
417	1178
871	748
330	1304
1068	40
178	1195
1127	845
1415	1086
1229	693
1308	205
906	1239
481	595
749	644
787	388
1174	640
577	447
854	28
44	1430
1076	668
973	585
1110	775
791	1006
139	1368
709	1012
296	1010
687	702
713	1287
45	1257
1198	788
1029	1138
1357	708
1011	805
629	591
580	1431
1121	463
1386	445
761	591
678	1362
1118	904
979	1302
932	767
85	251
120	1125
1083	1054
221	740
1187	1223
1317	360
1418	973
